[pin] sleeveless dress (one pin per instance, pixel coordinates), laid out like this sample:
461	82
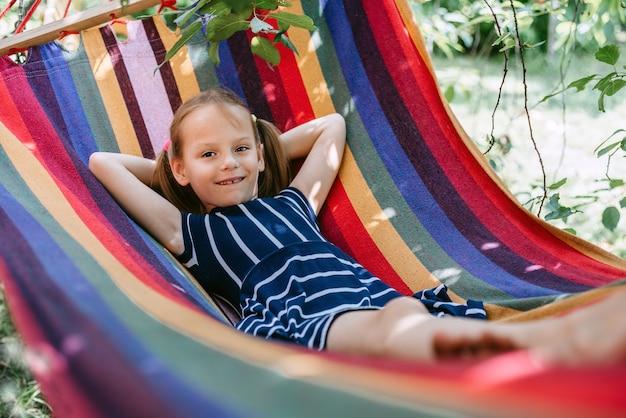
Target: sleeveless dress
268	258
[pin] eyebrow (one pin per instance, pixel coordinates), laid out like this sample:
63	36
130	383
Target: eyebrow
202	143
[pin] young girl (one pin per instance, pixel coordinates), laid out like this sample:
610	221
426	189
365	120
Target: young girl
222	200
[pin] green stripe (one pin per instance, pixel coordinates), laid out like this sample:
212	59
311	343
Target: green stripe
92	104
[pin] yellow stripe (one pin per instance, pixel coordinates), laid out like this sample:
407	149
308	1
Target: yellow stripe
110	92
573	241
385	236
280	359
390	243
410	23
181	63
190	322
310	68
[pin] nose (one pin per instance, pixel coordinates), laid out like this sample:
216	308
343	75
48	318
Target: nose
230	161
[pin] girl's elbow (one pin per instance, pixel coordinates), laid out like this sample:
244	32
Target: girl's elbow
338	125
99	162
95	160
337	120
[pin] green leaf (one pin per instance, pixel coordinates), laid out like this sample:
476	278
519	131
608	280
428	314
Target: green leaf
562	212
508	44
570	230
187	34
610	218
265	49
622	203
557	211
286	19
608	86
615	183
216	8
608	54
605	81
213	52
270	4
607	149
238	5
182	19
558	184
614	87
595	151
581	83
221	28
531	45
283	39
449	94
500	39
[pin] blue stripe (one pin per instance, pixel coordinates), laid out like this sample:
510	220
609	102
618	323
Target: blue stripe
66	108
402	171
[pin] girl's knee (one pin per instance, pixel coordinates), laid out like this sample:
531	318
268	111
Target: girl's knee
395	319
377	332
404	306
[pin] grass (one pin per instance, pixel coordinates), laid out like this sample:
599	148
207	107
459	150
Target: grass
20	396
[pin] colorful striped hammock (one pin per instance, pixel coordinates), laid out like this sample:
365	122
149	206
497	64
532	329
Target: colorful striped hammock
116	328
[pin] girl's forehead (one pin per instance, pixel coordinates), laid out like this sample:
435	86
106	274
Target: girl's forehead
214	120
236	115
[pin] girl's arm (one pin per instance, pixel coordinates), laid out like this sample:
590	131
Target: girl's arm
128	179
322	141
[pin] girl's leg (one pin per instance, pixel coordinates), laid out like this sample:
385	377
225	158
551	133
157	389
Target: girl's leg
405	329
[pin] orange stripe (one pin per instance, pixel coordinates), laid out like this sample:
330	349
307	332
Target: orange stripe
110	92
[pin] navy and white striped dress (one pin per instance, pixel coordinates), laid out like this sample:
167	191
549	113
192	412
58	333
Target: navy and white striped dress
268	259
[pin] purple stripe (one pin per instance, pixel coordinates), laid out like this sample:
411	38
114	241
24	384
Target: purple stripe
148	87
130	98
248	81
413	168
167	75
65	306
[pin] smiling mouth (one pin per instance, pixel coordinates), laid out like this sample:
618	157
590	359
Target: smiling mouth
230	181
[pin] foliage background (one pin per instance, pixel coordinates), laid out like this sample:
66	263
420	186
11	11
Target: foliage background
495	77
496	86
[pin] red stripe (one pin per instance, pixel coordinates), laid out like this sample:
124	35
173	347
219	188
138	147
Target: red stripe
296	90
11	116
457	161
115	243
285	90
48	149
342	226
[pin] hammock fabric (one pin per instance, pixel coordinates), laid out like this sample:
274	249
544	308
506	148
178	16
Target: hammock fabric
116	328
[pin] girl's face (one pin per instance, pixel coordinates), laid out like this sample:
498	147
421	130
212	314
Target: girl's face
220	157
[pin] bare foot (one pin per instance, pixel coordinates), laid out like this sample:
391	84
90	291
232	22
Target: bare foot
591	335
470	347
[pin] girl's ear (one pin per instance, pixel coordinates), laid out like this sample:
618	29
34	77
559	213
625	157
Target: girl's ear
178	170
261	153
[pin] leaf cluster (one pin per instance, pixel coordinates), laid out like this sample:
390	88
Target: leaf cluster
607	84
556	209
221	19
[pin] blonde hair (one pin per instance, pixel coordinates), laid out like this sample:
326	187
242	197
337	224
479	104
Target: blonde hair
275	177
